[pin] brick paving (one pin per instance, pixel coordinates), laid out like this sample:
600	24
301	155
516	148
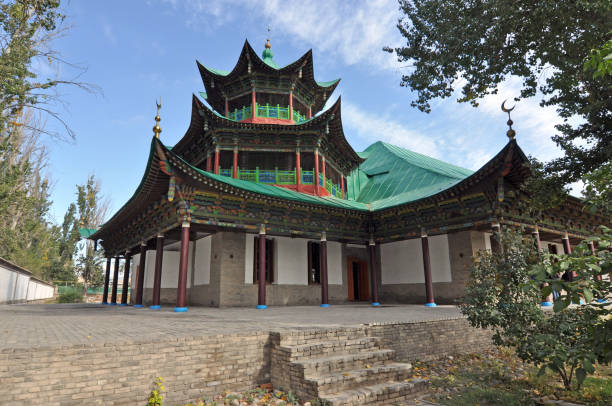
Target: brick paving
53	325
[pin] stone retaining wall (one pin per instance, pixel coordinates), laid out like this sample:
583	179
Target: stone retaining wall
122	373
427	340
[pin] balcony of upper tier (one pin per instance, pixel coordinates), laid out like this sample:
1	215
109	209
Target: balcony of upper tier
266	111
283	178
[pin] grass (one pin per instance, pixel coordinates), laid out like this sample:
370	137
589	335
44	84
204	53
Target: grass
498	378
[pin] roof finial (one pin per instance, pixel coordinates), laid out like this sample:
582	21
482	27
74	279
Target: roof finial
268	46
510	133
156	128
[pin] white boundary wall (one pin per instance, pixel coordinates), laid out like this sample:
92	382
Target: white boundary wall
17	285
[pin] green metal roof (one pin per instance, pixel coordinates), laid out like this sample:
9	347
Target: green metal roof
391	176
329	83
86	232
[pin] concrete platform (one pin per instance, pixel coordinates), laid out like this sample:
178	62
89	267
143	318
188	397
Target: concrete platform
58	325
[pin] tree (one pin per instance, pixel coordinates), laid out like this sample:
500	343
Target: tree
504	294
476	45
27	237
91	209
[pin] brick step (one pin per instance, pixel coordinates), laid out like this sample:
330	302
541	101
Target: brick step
358	378
382	394
308	336
337	347
345	362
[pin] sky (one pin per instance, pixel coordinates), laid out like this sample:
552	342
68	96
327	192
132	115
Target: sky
138	51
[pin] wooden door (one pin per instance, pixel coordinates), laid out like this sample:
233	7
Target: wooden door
357	277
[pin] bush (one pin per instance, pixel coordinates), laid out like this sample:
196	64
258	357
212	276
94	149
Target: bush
504	294
71	295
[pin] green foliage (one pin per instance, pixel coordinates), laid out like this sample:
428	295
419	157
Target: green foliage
71	295
600	60
504	294
156	397
476	45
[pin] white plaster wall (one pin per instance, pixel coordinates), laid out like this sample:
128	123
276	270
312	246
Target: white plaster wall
487	237
544	245
248	259
133	269
170	266
291	261
201	264
402	261
334	263
439	258
37	290
149	269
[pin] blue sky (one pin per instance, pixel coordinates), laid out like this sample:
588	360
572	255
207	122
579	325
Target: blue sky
137	51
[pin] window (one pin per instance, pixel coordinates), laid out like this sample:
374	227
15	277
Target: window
314	262
269	260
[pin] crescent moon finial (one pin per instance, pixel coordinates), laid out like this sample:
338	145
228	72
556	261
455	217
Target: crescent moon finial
506	110
510	133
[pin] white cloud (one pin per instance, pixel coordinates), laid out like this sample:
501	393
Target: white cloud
355	32
370	128
109	32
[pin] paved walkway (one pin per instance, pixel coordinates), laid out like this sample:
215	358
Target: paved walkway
53	325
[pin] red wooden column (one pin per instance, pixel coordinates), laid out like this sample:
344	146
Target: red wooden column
216	160
592	247
323	172
253	104
208	162
291	105
226	108
235	164
126	278
316	172
323	268
427	270
141	274
567	250
115	282
548	300
106	281
159	258
181	292
342	184
309	112
298	169
261	277
496	246
373	272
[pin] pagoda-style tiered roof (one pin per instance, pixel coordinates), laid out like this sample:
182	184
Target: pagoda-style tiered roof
326	127
263	74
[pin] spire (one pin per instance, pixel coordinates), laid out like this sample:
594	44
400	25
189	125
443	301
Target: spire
267	54
510	133
156	128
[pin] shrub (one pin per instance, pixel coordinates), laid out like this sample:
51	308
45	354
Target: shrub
71	295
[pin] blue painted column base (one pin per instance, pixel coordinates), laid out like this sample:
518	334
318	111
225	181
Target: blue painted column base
155	307
261	307
432	304
546	304
138	306
180	309
104	303
602	301
324	304
112	304
375	304
123	304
